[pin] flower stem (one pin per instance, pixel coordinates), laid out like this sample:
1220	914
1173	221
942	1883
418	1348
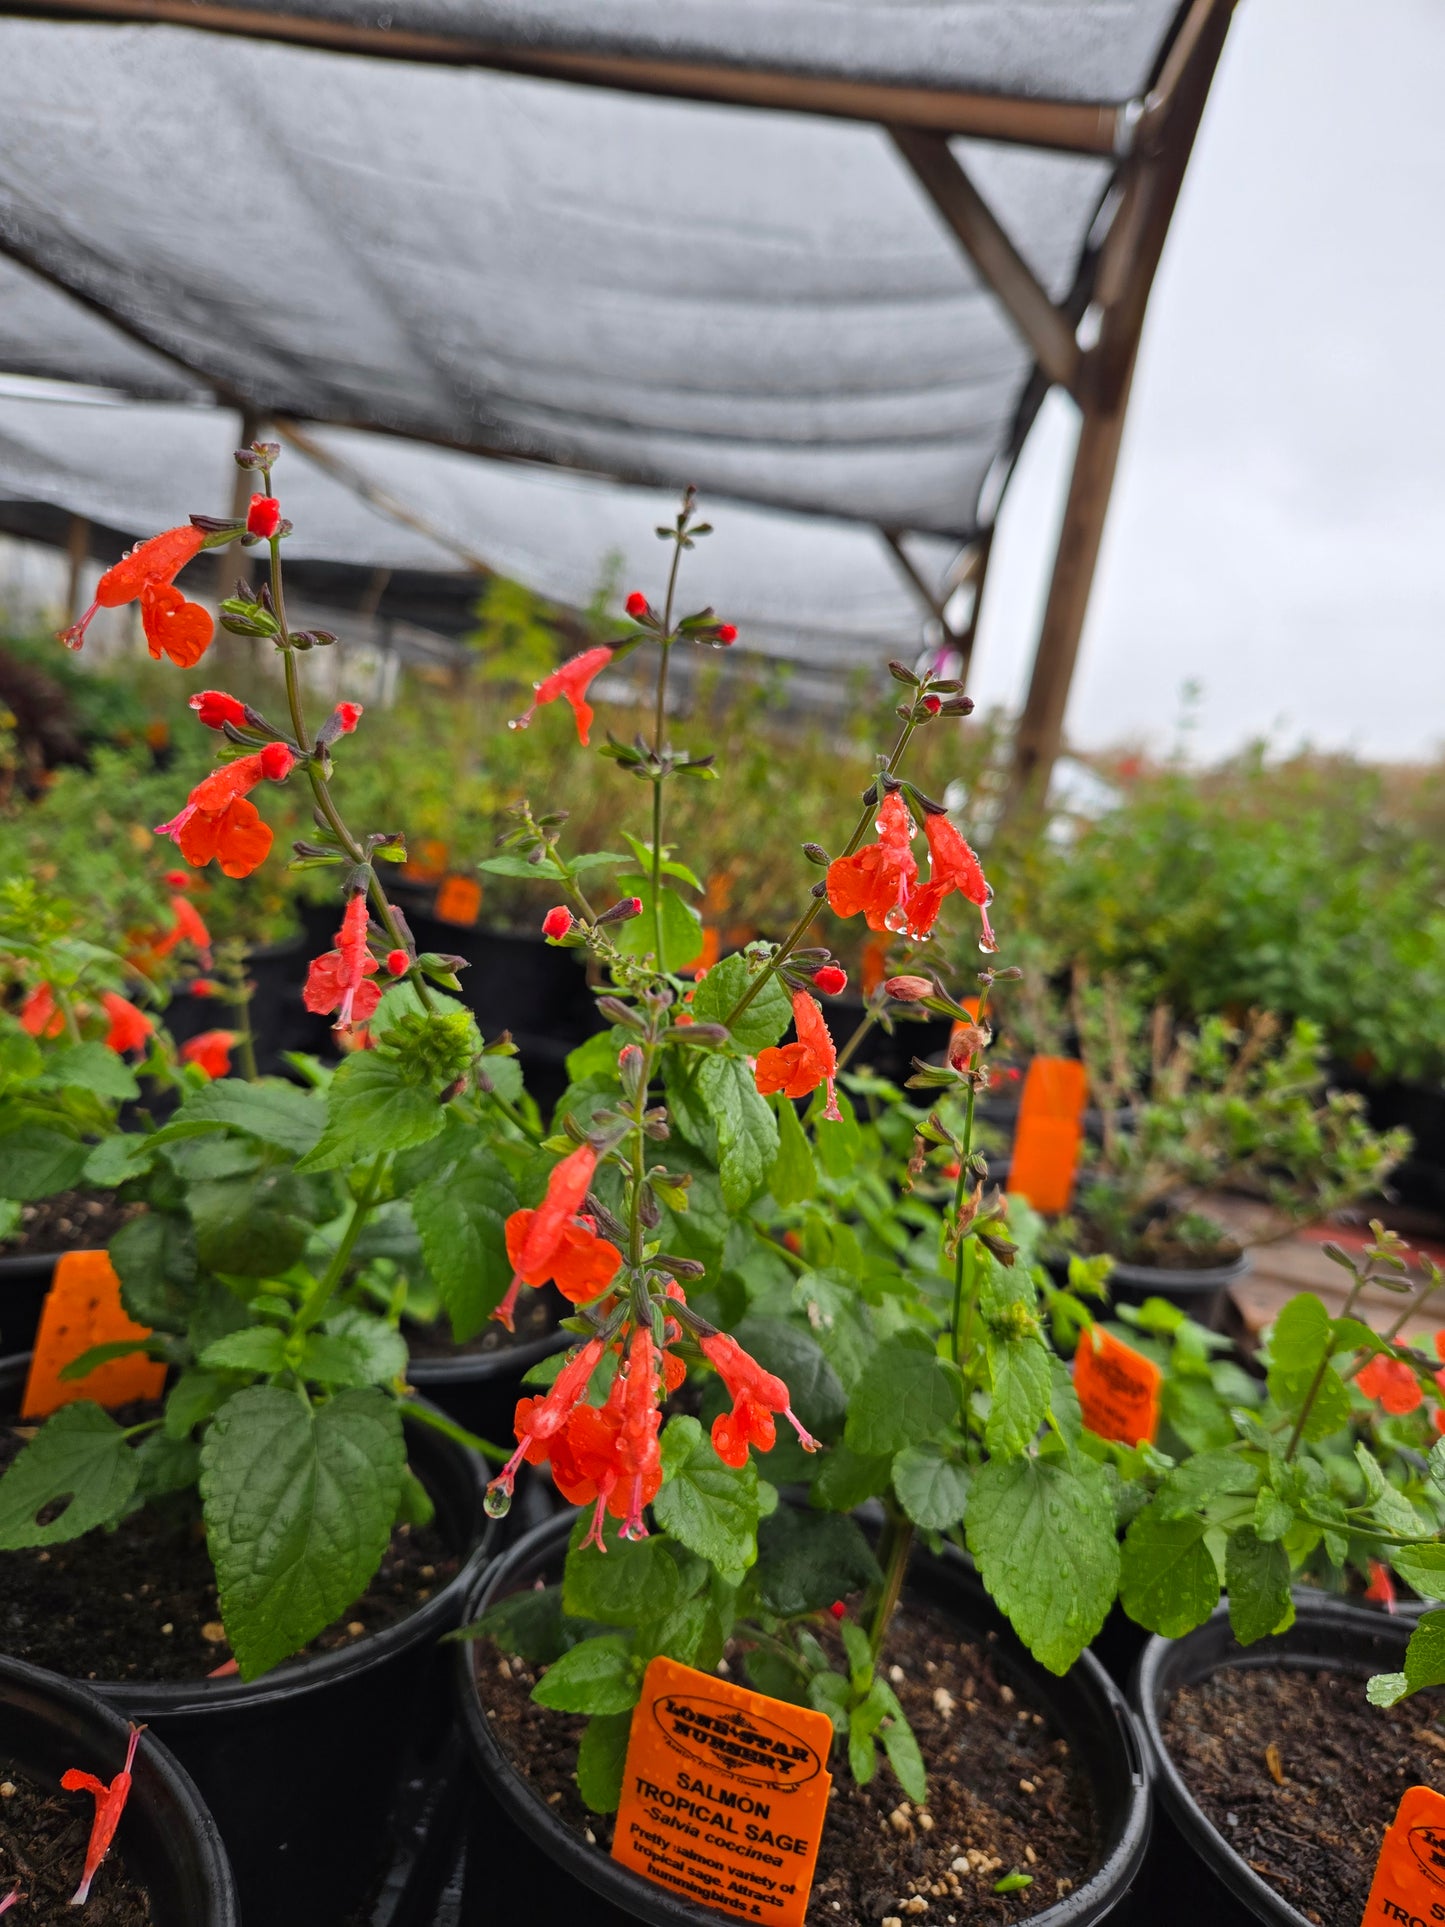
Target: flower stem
1319	1378
321	1293
896	1546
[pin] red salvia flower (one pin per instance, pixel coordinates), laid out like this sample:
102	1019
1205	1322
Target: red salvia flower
539	1419
40	1015
878	879
572	680
909	990
554	1244
189	927
151	565
218	820
109	1805
954	867
1392	1382
796	1069
211	1051
756	1395
263	517
557	922
726	632
205	987
1381	1589
832	980
637	604
397	963
130	1028
347	716
337	980
215	709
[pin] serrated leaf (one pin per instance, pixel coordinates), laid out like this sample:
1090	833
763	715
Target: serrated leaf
795	1356
905	1394
1256	1572
1022	1378
528	1623
126	1155
270	1109
92	1067
80	1453
1169	1582
1422	1568
259	1348
594	1676
904	1757
84	1363
846	1478
299	1503
794	1175
461	1218
1204	1478
806	1560
932	1486
154	1257
631	1582
192	1399
709	1507
766	1017
1424	1664
1042	1535
354	1348
747	1131
601	1757
249	1227
36	1162
165	1465
371	1107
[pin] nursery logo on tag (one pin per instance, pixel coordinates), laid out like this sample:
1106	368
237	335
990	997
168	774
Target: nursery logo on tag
1118	1388
1410	1873
724	1794
717	1734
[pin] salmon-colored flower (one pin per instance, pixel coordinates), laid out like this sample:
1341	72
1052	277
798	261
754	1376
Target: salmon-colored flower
130	1029
796	1069
173	626
219	821
756	1395
571	680
152	566
109	1806
832	980
215	709
210	1052
954	867
554	1243
558	921
337	980
40	1015
1392	1382
878	879
189	927
539	1419
263	517
1381	1589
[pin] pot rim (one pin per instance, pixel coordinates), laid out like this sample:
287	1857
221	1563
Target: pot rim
18	1677
1091	1901
469	1367
1152	1686
1181	1278
162	1698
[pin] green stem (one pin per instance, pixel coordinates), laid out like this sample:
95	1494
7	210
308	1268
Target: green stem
897	1544
1319	1378
514	1116
427	1415
245	1036
810	916
321	1293
67	1013
845	1055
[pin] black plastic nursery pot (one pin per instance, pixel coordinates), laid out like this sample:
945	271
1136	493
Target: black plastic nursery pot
480	1389
167	1839
523	1862
1194	1876
24	1280
1201	1293
300	1767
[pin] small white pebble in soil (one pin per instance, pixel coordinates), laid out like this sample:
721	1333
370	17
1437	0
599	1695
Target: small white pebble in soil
960	1865
925	1820
723	1666
7	1789
1006	1694
1031	1856
504	1669
1063	1886
214	1633
890	1920
897	1675
423	1592
355	1627
553	1798
589	1836
943	1702
918	1905
1026	1786
168	1627
900	1822
428	1572
42	1558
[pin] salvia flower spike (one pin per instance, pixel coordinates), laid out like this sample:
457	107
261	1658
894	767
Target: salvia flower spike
109	1806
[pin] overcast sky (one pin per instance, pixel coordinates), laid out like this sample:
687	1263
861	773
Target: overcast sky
1278	524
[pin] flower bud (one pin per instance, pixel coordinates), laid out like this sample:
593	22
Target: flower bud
277	762
726	632
263	518
622	911
933	704
557	922
832	979
637	605
215	709
909	990
397	963
964	1043
815	853
629	1068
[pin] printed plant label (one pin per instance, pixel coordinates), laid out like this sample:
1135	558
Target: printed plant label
724	1794
82	1310
1118	1388
1409	1883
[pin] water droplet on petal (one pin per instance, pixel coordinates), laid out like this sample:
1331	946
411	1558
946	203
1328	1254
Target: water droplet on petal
497	1502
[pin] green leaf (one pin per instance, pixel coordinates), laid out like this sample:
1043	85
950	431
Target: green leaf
259	1348
461	1218
1273	1518
92	1067
80	1453
249	1227
1021	1375
846	1478
905	1394
96	1355
1042	1534
1256	1572
194	1397
1421	1567
1302	1338
633	1581
932	1486
681	926
271	1109
747	1131
594	1676
795	1356
355	1348
299	1503
165	1465
794	1175
709	1507
155	1259
764	1020
806	1560
528	1623
371	1107
1203	1479
1424	1664
601	1757
1301	1335
863	1723
1169	1582
905	1758
36	1163
126	1155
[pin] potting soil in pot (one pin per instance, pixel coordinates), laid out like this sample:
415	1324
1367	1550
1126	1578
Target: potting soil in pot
139	1602
69	1221
43	1836
1004	1795
1301	1775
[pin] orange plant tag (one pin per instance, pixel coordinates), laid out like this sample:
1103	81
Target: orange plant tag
458	899
1046	1142
724	1794
1118	1388
81	1309
426	862
1409	1883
